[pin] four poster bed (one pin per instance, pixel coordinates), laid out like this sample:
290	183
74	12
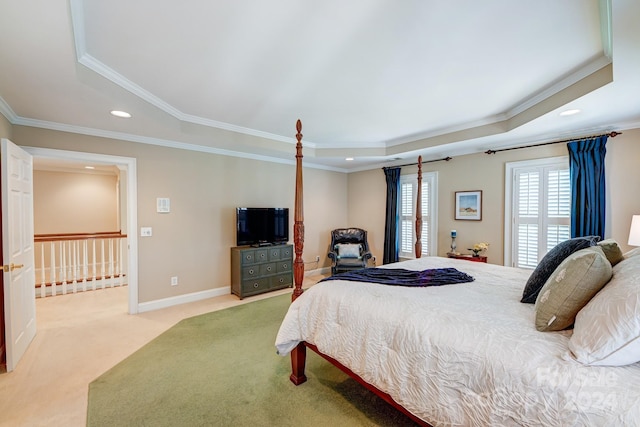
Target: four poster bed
470	353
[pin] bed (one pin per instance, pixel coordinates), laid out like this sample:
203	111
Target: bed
470	353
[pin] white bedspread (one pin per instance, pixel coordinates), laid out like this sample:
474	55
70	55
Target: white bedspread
463	354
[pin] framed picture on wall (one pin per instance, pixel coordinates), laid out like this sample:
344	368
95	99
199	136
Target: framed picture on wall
469	205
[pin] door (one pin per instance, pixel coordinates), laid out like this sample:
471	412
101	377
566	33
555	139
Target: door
17	251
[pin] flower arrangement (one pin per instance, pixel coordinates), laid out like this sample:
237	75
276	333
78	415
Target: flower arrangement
479	247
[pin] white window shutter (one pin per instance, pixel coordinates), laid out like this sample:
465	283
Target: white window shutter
541	197
408	198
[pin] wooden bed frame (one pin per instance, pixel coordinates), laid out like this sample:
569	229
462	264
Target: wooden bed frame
299	353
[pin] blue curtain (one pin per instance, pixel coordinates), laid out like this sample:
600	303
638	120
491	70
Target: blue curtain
391	218
588	193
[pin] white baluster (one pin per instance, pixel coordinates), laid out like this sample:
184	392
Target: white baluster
74	264
93	264
85	259
102	266
53	269
63	266
111	263
43	275
120	267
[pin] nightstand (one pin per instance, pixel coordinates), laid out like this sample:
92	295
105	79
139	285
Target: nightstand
468	257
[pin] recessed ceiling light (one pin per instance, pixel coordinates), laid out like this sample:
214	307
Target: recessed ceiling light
570	112
122	114
349	159
89	167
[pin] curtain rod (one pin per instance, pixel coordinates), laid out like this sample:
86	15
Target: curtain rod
446	159
611	134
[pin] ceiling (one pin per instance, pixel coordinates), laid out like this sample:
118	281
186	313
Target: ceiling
378	80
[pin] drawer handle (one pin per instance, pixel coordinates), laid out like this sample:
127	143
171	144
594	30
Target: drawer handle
248	257
284	265
268	268
281	280
261	255
256	285
251	271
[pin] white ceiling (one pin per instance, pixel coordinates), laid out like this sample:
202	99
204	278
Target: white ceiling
378	80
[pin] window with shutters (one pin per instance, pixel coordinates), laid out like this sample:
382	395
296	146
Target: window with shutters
537	204
407	210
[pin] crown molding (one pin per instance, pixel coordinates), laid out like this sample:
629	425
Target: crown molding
7	111
20	121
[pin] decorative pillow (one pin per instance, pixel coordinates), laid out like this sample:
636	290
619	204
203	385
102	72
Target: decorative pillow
612	251
348	250
607	330
550	262
571	286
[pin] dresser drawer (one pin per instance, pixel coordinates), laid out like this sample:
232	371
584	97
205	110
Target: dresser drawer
267	269
286	252
251	272
255	286
248	257
262	255
275	253
283	266
281	281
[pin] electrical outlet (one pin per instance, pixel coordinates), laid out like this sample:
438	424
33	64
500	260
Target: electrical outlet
174	281
317	258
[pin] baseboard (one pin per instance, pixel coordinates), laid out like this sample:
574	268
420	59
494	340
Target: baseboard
183	299
318	271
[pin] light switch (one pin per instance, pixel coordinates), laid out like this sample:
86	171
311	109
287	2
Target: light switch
146	231
163	205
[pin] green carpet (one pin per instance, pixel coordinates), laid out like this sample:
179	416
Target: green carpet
221	369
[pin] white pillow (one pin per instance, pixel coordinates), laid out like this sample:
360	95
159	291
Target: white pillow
607	330
348	250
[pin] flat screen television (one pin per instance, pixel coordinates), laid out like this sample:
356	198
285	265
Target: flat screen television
262	226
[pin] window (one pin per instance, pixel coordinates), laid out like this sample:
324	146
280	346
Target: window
538	202
407	200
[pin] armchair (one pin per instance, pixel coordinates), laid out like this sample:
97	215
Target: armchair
349	250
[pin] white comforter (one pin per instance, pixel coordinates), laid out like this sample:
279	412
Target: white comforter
462	354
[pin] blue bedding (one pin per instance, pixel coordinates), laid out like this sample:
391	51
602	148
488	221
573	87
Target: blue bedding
403	277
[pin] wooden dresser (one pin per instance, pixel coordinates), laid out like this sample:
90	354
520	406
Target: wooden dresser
255	270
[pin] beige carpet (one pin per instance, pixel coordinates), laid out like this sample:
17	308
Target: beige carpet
81	336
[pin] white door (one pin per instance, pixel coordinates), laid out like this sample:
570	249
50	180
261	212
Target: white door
17	251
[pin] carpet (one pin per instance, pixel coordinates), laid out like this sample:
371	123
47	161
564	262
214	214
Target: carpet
221	369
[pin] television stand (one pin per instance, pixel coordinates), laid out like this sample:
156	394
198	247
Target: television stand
258	270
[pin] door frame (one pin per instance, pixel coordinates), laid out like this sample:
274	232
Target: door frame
127	164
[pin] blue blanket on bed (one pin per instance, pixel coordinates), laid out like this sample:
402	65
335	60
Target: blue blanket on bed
403	277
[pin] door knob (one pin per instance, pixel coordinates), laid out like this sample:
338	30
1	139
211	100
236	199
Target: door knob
11	267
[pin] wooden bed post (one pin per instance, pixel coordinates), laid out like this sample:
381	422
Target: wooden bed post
419	211
299	353
298	226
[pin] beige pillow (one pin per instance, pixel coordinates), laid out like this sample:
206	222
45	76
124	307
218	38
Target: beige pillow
612	251
607	330
570	287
